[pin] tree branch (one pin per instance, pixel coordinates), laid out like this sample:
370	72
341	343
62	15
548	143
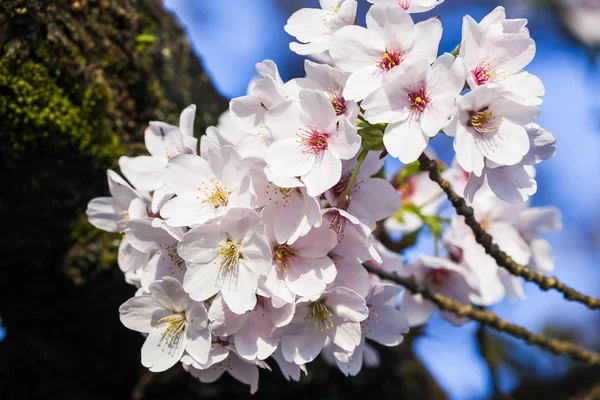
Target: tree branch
502	259
486	351
489	318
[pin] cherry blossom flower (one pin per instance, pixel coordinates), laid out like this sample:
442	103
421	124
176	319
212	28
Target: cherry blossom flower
287	211
223	358
155	237
252	330
496	217
367	208
582	18
416	104
350	272
496	25
314	27
290	370
490	126
443	276
530	223
350	365
391	41
163	141
385	325
267	91
132	262
353	236
272	225
112	213
496	51
228	258
310	141
175	325
411	6
304	267
336	315
205	190
332	81
514	183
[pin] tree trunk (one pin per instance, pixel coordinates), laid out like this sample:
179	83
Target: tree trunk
79	81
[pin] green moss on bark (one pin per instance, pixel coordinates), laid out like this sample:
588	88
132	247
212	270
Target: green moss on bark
39	113
79	81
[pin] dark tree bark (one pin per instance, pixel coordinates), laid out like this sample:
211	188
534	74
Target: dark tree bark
79	81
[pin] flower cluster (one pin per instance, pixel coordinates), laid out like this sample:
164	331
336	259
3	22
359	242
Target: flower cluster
252	248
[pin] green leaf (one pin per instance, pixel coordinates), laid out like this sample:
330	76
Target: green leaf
405	173
434	223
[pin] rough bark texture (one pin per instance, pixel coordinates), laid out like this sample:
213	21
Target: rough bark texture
79	81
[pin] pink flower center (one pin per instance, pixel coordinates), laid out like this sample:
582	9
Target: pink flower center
406	191
262	302
483	121
230	255
437	276
339	103
337	222
314	142
482	73
404	4
319	315
390	59
175	327
285	256
418	98
339	187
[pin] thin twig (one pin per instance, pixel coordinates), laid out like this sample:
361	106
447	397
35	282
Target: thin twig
345	198
488	318
502	259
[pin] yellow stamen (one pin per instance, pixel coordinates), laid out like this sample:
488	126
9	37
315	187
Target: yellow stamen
230	255
284	257
176	323
216	194
319	314
483	121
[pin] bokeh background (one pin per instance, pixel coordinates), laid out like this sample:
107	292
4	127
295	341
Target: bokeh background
230	36
88	74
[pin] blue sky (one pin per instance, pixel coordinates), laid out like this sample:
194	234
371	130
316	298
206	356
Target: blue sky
232	35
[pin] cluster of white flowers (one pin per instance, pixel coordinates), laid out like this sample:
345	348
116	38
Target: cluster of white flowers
253	248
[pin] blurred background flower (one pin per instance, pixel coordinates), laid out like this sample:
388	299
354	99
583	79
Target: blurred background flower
231	36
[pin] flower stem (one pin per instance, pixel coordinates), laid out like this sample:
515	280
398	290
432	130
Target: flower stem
345	198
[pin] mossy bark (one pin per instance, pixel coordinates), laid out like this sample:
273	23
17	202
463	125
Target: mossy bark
79	81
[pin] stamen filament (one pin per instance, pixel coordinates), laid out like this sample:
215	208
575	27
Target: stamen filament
483	121
230	255
319	314
285	255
